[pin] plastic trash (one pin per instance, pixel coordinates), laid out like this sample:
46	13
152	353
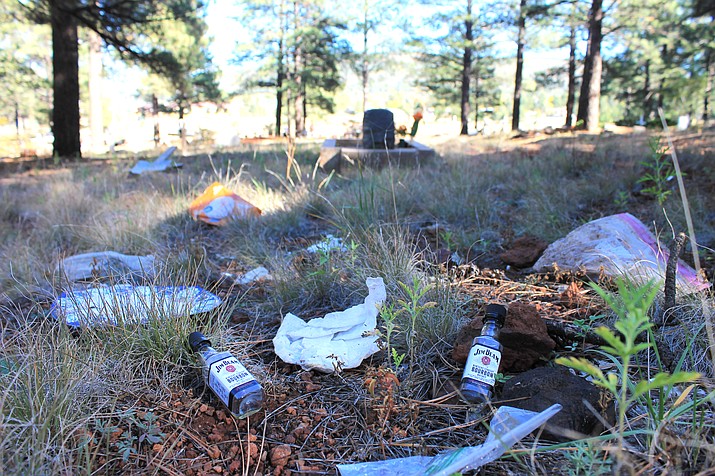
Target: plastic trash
104	264
256	274
340	340
127	304
508	426
217	205
163	162
617	245
329	243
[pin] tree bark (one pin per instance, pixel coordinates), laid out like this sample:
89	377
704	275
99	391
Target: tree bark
280	73
647	94
364	66
476	96
466	70
571	93
710	72
65	77
519	66
590	96
96	125
299	96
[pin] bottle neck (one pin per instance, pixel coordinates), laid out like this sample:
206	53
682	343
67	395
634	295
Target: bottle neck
206	349
490	328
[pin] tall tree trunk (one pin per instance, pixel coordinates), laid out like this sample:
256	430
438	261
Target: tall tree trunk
299	96
590	96
182	127
280	68
65	78
571	93
466	70
96	125
364	66
647	94
155	116
661	83
710	72
476	95
519	66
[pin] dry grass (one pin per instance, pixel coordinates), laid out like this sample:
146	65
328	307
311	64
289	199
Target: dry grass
66	395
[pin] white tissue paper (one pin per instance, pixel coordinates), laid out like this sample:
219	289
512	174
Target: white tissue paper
340	340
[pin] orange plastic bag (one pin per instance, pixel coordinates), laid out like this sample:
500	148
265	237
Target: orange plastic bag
217	205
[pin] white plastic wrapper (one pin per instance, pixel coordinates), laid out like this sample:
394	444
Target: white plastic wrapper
617	245
508	426
127	304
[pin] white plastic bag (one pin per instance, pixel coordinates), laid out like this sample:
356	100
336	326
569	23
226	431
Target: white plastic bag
508	426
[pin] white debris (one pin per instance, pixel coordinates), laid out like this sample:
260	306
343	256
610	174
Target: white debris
257	274
329	243
340	340
163	162
617	245
103	264
124	304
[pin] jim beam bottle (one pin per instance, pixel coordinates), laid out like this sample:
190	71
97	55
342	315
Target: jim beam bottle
484	358
227	378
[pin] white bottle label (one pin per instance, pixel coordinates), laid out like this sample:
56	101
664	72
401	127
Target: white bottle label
482	364
227	374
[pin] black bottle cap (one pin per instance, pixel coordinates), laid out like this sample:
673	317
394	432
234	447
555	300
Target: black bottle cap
196	340
496	312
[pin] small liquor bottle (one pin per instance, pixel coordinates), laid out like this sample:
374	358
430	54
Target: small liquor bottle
228	378
484	358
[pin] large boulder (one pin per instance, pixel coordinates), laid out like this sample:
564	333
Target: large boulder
524	337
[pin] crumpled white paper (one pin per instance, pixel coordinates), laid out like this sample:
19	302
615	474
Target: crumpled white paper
340	340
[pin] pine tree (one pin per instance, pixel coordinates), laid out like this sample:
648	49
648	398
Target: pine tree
124	25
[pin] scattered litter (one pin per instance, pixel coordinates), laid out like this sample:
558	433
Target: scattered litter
340	340
217	205
163	162
256	274
104	264
329	243
616	245
128	304
508	426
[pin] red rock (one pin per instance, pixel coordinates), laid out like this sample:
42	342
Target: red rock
524	251
280	454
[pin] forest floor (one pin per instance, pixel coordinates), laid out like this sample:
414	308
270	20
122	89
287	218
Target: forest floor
476	200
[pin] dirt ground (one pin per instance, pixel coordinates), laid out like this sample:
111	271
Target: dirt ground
313	421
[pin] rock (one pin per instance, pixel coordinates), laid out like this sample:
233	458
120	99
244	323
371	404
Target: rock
280	454
524	337
539	388
524	251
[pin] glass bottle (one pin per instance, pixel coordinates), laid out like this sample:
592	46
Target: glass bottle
227	378
484	358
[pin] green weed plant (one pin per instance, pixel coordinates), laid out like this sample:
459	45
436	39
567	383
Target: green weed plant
628	385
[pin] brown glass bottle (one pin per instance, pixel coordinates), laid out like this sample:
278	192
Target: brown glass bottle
484	358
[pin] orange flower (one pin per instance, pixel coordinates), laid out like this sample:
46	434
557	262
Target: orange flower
417	116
